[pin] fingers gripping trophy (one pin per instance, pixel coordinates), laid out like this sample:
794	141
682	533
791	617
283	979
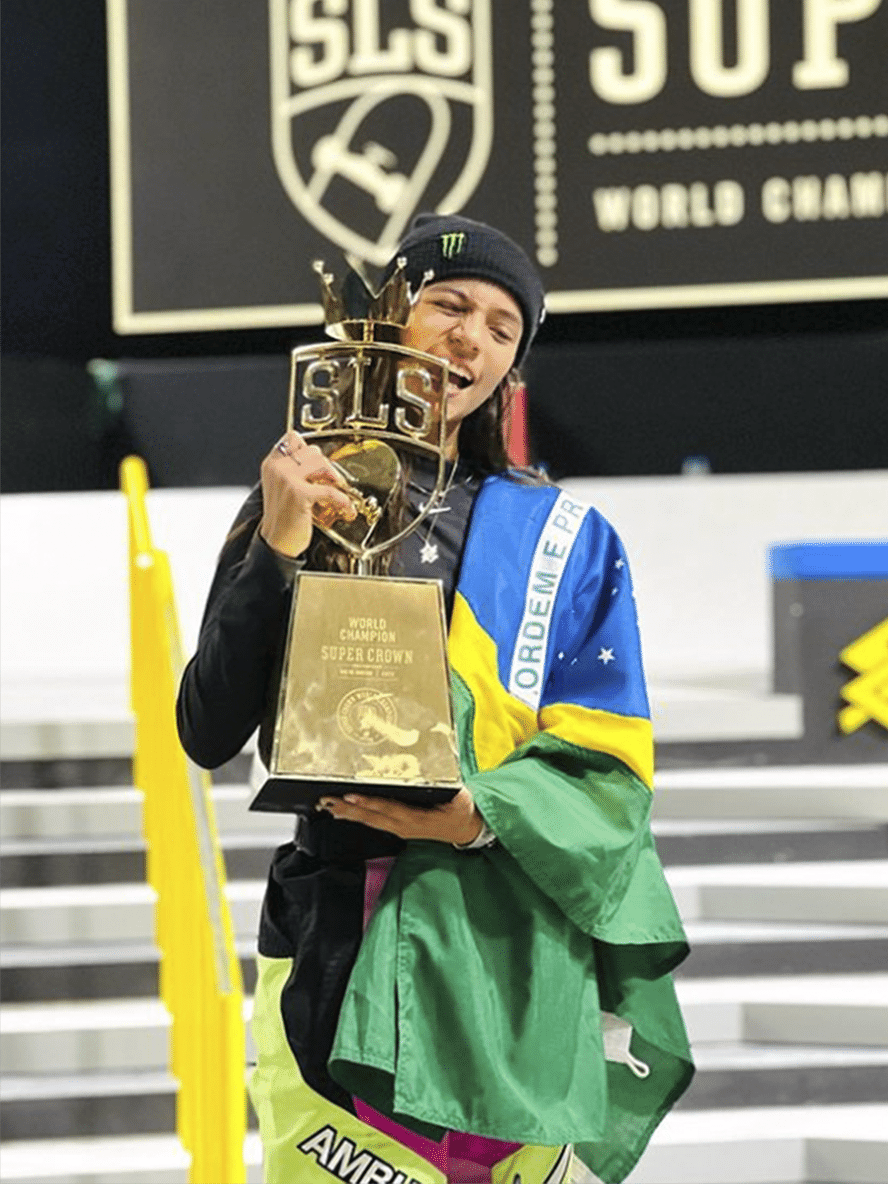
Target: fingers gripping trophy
364	697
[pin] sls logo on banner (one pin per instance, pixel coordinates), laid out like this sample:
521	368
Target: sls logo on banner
379	110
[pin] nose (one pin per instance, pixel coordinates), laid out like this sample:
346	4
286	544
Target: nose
467	332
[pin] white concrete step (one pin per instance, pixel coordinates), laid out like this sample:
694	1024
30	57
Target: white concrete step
134	1159
83	734
55	1098
737	1076
25	834
142	1100
121	1034
829	1009
99	913
815	898
804	791
760	948
53	717
763	795
90	1036
779	1145
769	1145
33	863
688	841
109	812
126	1159
854	891
142	1159
760	1058
57	1105
107	970
54	1087
114	1035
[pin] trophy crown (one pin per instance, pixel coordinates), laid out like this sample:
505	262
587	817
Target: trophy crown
358	309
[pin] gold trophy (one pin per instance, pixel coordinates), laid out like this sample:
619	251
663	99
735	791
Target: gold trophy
364	699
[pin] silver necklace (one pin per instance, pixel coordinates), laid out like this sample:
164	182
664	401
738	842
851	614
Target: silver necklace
428	552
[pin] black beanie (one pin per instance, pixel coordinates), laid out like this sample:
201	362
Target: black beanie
460	248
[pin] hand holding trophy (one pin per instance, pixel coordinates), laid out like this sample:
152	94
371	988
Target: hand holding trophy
364	700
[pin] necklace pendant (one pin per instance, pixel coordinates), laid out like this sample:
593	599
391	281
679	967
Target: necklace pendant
429	552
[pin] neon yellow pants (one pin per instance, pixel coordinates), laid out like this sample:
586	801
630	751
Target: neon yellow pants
309	1140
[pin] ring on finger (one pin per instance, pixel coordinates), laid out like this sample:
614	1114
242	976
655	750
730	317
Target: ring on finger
283	446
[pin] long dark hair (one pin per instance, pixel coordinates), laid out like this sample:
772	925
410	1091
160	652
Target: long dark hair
481	442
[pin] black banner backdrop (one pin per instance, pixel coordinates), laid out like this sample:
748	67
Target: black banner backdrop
648	153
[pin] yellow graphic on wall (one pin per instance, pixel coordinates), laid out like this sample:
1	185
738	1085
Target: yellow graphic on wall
866	695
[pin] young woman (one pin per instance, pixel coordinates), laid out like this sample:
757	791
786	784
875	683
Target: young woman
477	991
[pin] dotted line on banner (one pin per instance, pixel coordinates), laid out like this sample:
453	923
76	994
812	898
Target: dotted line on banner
738	135
542	42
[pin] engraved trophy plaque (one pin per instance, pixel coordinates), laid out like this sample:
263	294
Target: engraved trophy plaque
364	700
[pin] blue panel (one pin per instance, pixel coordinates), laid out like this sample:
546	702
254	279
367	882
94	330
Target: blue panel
830	560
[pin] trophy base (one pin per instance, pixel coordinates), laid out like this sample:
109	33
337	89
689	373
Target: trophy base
364	703
292	795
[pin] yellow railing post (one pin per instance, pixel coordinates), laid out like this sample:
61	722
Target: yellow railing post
200	978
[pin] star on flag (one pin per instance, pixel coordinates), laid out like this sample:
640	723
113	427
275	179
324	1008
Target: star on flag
606	656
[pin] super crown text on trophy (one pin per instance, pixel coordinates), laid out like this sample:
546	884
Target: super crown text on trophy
364	700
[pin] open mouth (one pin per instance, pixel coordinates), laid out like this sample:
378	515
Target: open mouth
460	381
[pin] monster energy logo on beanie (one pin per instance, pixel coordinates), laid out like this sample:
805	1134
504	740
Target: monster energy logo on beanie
452	247
452	244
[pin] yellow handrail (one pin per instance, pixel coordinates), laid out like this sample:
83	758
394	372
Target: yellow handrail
200	978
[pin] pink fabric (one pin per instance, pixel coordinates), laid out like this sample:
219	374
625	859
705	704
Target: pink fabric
374	882
435	1153
479	1149
462	1158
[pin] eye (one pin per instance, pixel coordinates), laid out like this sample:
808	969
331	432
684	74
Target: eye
502	335
448	306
